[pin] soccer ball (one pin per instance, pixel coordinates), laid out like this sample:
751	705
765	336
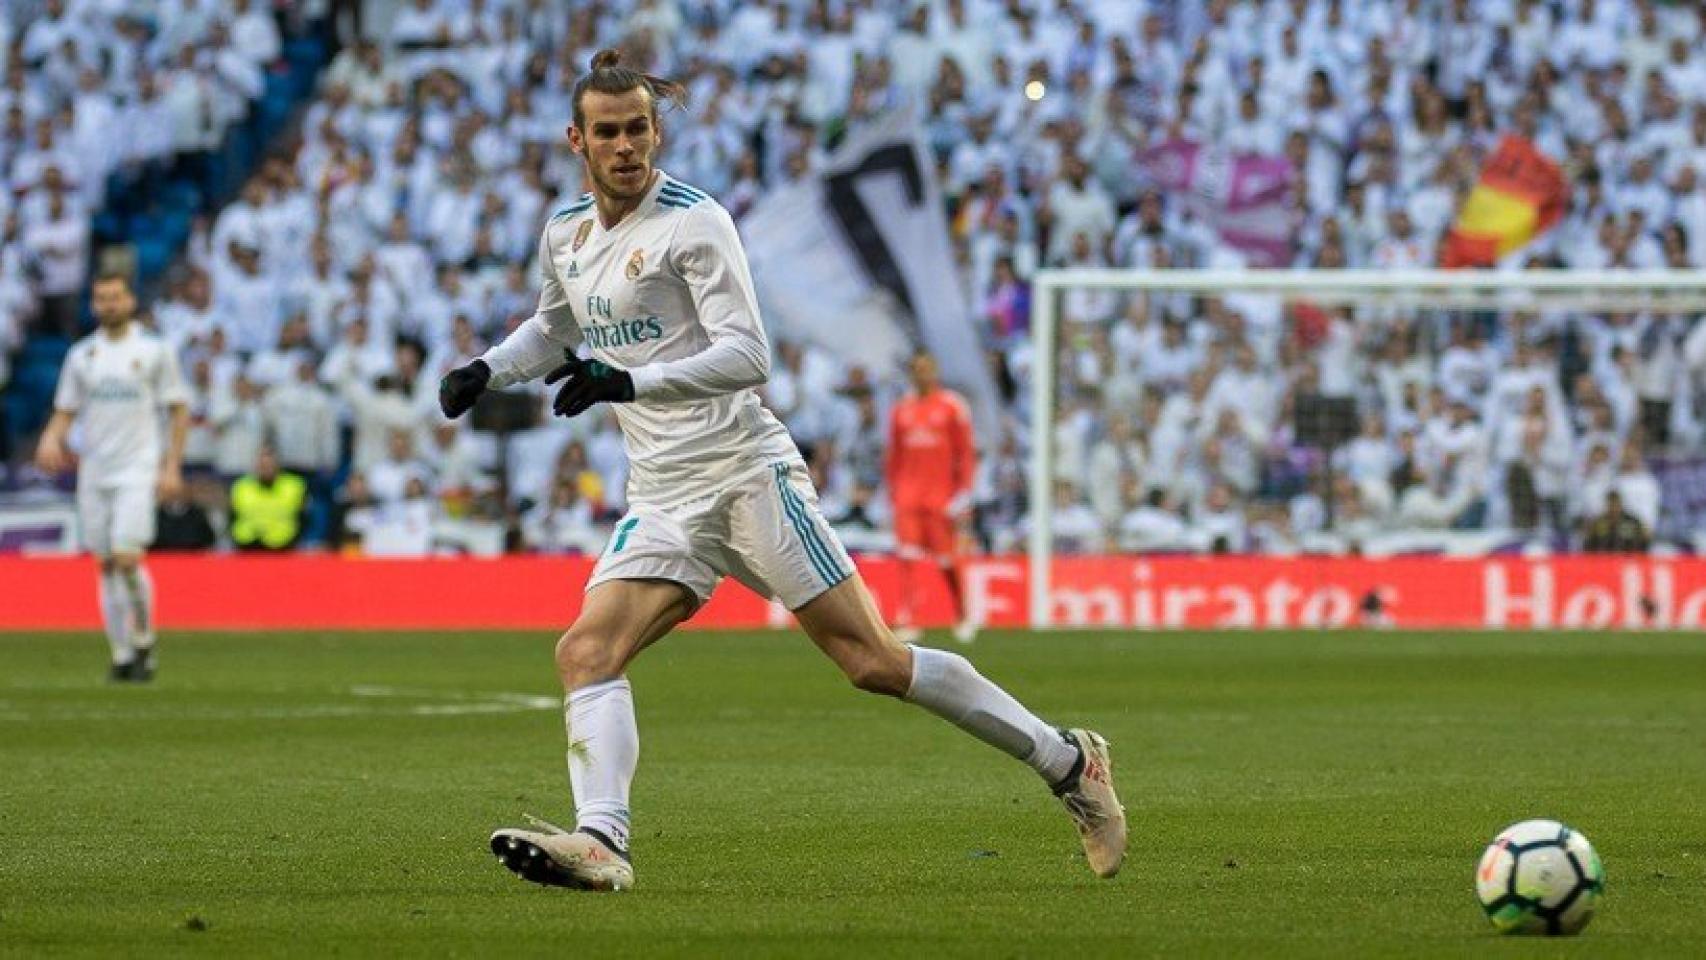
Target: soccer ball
1539	876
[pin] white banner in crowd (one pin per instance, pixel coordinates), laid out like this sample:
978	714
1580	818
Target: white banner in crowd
857	259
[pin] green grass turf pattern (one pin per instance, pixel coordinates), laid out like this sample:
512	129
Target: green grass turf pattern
1289	794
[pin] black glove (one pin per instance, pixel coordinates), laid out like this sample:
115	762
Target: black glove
461	387
586	382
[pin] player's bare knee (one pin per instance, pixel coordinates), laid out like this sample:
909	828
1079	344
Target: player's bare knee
879	671
585	657
123	562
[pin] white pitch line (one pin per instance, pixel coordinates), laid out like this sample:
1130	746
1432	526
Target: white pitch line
520	701
450	704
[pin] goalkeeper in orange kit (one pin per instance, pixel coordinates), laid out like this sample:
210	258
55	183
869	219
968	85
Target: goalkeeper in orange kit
930	463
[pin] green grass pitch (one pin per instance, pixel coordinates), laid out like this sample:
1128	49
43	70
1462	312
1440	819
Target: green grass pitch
1289	794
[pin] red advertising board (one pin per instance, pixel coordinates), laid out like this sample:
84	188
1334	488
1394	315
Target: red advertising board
305	591
1254	592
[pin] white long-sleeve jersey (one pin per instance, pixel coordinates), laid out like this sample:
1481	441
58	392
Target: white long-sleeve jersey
667	296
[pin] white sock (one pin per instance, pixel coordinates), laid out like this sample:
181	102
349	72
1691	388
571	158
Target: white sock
948	685
604	748
139	591
115	616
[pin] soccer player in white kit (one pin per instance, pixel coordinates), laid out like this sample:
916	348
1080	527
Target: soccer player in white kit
648	273
114	384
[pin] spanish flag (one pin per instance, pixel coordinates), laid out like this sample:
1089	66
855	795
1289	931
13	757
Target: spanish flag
1521	194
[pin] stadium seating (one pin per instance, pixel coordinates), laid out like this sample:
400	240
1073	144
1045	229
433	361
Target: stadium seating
1047	123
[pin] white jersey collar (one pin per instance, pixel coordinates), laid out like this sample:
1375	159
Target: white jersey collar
647	202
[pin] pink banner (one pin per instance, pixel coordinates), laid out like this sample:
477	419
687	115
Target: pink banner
1244	196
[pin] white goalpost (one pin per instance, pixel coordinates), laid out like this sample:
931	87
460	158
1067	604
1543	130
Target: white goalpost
1649	291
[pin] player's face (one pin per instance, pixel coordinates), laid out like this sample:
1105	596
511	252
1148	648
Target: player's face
619	138
112	302
924	373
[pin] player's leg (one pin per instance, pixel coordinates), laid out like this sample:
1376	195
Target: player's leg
136	592
95	518
647	581
945	548
115	618
618	620
909	554
844	623
1074	763
793	552
132	532
965	626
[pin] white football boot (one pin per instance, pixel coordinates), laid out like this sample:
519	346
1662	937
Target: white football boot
578	859
1093	805
966	630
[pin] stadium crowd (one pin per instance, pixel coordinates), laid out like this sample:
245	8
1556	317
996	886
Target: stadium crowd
102	101
93	90
391	239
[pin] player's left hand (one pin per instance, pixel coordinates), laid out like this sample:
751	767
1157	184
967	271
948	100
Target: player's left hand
586	382
170	484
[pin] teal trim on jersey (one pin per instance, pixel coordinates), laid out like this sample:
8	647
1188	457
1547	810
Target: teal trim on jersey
691	193
627	526
580	206
684	197
677	204
821	557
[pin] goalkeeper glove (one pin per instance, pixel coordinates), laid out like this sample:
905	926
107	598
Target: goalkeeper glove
586	382
461	387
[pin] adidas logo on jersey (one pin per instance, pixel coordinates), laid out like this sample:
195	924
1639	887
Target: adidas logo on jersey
574	271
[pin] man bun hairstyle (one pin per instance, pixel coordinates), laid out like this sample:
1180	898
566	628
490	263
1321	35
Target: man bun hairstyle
606	74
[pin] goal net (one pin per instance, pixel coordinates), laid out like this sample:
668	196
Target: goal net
1305	414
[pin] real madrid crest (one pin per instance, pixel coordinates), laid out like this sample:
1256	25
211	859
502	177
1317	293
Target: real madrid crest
636	263
581	235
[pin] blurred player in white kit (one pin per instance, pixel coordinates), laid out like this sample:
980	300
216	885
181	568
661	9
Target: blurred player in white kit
113	387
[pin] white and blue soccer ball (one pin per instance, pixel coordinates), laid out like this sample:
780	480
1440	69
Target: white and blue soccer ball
1539	877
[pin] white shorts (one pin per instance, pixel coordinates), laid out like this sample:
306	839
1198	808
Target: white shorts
116	519
764	531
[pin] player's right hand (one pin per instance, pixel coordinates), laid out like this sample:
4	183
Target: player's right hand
461	387
169	485
51	456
